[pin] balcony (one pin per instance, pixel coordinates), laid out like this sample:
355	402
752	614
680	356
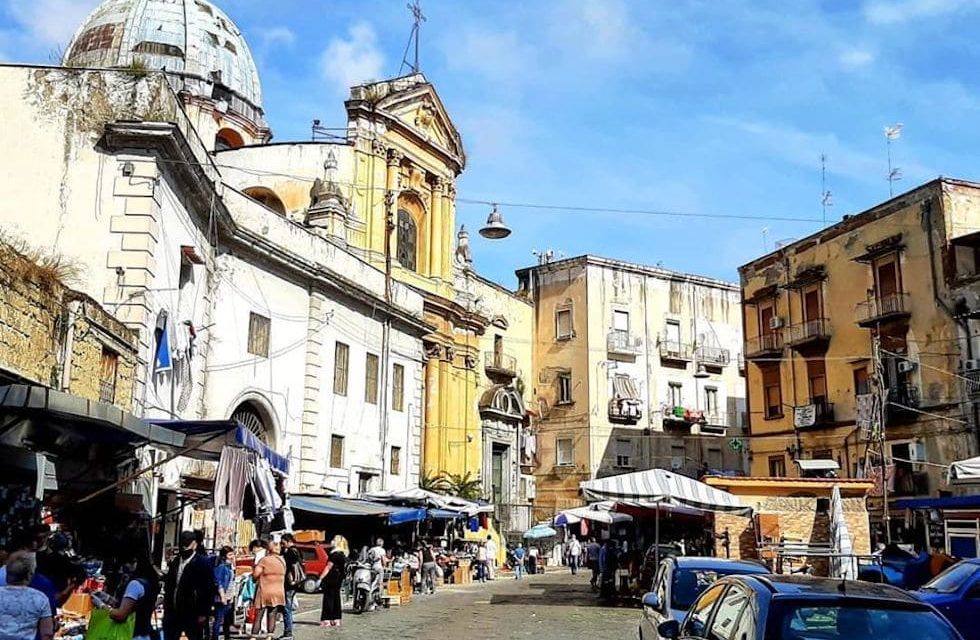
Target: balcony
971	380
499	365
809	333
714	356
882	309
625	411
768	344
716	423
621	343
671	351
909	483
903	402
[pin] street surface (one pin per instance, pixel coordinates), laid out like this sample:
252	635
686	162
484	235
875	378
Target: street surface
555	606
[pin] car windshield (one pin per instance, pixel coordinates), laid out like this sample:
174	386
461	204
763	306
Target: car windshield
688	584
950	580
855	622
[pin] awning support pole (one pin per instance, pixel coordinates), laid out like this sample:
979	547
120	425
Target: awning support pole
153	466
656	537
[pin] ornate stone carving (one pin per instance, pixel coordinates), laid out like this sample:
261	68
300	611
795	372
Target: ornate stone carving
395	157
432	350
439	184
379	148
450	354
470	361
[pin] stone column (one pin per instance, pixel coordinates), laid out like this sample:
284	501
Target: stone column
434	240
310	467
448	228
445	421
392	186
431	415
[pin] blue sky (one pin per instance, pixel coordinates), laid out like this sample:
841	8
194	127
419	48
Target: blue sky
707	106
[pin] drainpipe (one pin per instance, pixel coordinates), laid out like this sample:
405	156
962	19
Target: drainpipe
926	209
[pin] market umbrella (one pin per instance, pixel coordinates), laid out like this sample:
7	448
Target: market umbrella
539	531
842	563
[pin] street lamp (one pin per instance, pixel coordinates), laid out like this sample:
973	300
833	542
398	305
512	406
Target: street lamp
701	372
495	228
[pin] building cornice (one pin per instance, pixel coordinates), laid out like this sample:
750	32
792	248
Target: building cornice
622	265
168	142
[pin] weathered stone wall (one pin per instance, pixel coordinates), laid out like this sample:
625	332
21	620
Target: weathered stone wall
39	315
798	521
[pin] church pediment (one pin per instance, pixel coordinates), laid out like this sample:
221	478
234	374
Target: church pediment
412	102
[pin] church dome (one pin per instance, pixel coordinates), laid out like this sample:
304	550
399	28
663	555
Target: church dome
192	39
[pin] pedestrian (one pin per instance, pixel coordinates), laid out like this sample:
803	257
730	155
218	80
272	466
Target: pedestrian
574	554
25	613
481	562
224	602
610	565
592	557
140	591
295	575
519	554
270	593
430	570
492	552
25	543
532	560
331	579
188	592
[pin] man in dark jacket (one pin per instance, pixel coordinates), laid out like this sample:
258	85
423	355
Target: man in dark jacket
295	574
188	592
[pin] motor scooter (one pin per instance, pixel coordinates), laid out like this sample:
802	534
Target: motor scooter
366	587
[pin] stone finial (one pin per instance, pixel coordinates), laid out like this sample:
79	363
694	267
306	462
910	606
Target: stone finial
464	255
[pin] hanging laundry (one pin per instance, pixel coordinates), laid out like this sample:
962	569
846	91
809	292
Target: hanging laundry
162	361
235	468
473	524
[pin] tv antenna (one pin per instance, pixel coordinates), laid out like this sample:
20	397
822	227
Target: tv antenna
826	199
894	173
413	39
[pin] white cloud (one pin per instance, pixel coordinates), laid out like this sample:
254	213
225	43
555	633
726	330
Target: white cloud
277	35
898	11
854	59
353	60
50	23
599	30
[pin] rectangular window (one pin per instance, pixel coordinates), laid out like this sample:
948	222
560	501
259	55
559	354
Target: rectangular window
398	387
676	297
364	482
258	335
621	321
713	459
862	385
777	466
675	397
816	373
766	314
624	453
678	456
772	392
107	377
711	400
563	324
565	387
371	379
341	357
672	335
563	450
395	464
337	452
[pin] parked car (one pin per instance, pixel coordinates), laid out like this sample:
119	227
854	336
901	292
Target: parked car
314	560
890	567
755	607
956	594
651	562
678	583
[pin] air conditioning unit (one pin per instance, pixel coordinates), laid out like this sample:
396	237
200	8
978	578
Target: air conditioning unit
906	366
971	365
775	322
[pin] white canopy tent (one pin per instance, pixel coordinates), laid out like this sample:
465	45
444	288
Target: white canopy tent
425	497
598	512
965	471
661	486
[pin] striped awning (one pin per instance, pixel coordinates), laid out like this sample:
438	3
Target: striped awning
660	485
624	388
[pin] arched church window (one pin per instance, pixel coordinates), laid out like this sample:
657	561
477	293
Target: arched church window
267	197
407	240
249	418
227	139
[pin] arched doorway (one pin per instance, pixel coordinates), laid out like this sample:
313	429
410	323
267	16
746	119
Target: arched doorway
227	139
267	197
252	418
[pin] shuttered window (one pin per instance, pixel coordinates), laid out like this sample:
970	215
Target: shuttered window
337	452
341	359
371	379
398	387
258	335
772	391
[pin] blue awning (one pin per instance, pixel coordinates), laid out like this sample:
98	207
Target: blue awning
402	515
445	514
951	502
208	437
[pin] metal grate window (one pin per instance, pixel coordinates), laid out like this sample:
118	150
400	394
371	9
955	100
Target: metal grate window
107	377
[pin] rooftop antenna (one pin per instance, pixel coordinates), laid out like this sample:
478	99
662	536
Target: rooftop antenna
826	199
894	173
413	38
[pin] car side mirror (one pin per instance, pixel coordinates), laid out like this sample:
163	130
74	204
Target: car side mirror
669	629
651	600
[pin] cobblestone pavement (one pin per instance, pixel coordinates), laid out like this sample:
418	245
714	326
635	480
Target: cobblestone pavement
555	606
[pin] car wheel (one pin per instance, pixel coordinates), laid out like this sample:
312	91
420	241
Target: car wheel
309	585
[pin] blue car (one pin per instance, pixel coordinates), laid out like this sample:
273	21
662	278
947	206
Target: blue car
956	593
679	582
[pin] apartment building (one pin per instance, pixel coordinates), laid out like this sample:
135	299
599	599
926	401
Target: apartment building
635	367
904	272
